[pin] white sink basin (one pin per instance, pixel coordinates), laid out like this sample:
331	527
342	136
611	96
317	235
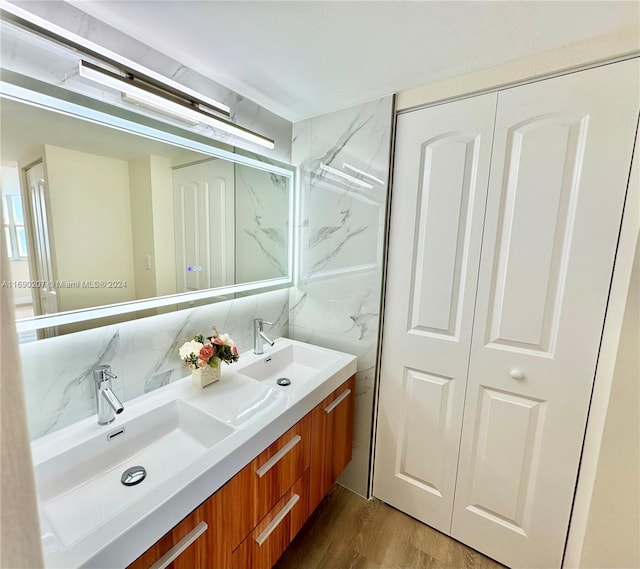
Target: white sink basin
80	488
296	362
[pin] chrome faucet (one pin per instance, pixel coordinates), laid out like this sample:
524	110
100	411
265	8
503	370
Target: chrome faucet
259	337
106	401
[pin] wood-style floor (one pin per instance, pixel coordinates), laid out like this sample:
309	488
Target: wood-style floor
349	532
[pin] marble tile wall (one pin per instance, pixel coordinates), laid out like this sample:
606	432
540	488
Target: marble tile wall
262	228
57	372
344	164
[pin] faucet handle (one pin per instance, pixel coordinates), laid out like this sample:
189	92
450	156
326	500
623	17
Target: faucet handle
259	323
103	372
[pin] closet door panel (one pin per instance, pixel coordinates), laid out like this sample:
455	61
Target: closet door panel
562	149
539	198
439	190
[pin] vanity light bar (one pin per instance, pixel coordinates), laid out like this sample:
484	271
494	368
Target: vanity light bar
28	21
362	173
133	94
344	176
198	107
130	91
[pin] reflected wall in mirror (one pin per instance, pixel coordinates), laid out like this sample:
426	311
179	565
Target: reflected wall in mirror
97	216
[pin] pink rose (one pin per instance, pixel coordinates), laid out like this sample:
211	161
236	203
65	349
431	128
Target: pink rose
206	352
218	341
234	351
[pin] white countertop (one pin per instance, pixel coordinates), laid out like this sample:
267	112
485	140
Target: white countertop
258	413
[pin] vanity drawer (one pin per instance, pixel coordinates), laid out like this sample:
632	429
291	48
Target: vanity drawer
262	483
199	541
181	548
264	545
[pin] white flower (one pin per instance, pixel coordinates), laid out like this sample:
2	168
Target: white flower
189	348
226	339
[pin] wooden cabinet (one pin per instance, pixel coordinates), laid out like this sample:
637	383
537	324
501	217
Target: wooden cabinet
332	427
257	488
264	545
195	542
251	520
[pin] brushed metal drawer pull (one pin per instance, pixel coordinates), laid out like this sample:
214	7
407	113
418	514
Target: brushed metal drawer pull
337	401
267	466
275	522
177	550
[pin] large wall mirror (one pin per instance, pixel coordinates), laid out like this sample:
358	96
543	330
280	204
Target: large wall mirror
113	223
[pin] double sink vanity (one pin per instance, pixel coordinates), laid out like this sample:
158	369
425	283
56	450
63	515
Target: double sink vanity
214	478
229	473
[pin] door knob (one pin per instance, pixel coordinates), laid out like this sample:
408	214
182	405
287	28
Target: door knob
516	374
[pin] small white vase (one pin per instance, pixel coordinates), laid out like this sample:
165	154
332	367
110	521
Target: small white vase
203	376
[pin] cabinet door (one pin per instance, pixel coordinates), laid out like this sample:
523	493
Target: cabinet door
441	171
332	428
561	156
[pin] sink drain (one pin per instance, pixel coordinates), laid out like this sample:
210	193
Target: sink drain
134	475
283	381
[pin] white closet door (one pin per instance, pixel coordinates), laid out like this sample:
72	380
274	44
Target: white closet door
440	181
561	155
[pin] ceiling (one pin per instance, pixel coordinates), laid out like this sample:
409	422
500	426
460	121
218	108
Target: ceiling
301	59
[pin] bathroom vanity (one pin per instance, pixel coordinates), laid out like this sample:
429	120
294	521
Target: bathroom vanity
250	521
232	471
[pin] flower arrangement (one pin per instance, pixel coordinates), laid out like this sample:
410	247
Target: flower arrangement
208	350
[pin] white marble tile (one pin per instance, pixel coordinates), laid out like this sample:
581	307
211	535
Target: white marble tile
301	149
345	305
261	232
261	120
143	353
356	475
344	189
337	301
57	372
342	235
